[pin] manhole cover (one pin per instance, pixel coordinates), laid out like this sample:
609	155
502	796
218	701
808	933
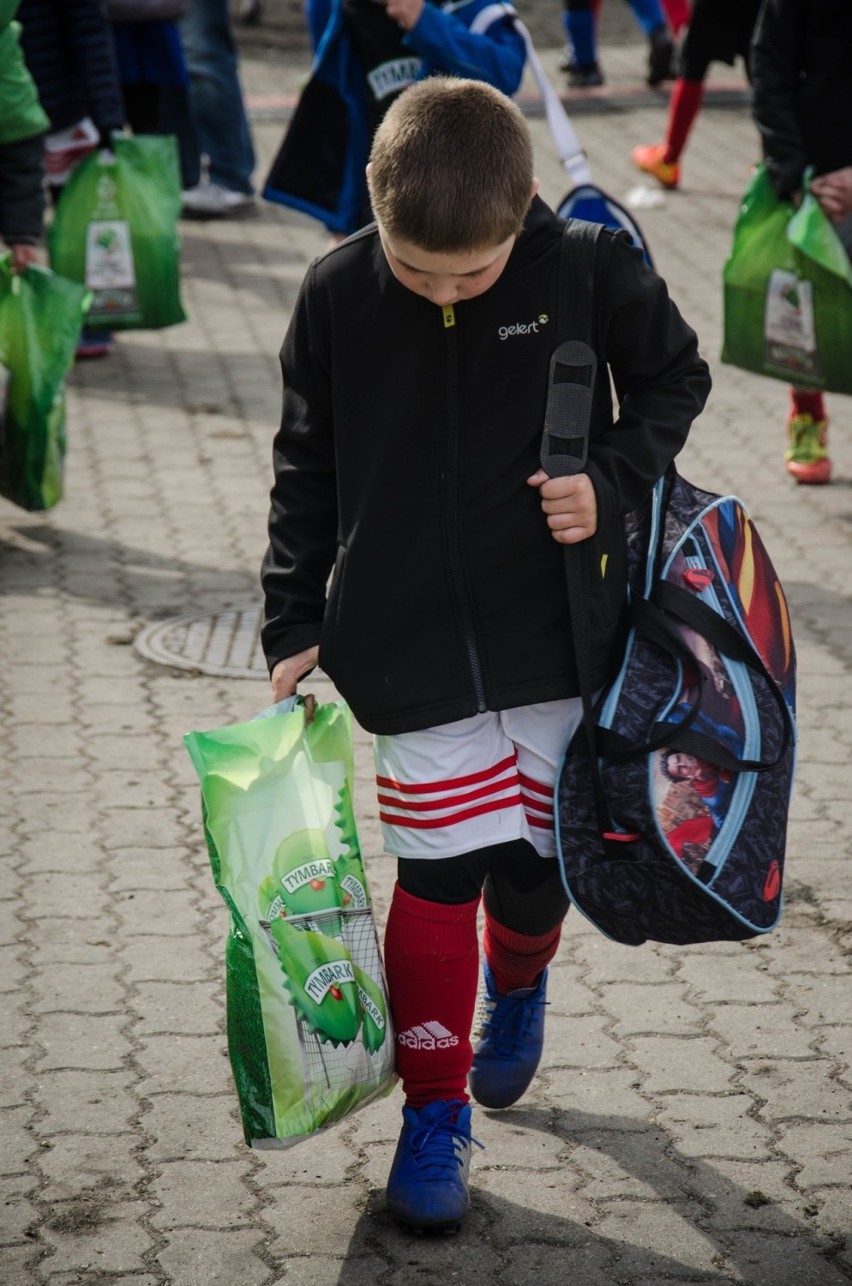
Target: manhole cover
225	644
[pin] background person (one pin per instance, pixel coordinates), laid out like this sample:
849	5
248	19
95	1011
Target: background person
802	104
222	181
718	31
69	50
23	124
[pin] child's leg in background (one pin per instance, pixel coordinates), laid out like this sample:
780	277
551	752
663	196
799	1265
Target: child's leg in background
806	458
684	106
580	19
677	13
649	14
662	160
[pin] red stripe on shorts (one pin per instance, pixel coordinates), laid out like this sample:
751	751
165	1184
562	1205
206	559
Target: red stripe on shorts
543	823
537	787
452	783
447	801
462	815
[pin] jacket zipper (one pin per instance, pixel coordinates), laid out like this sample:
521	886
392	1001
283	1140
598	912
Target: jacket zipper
453	453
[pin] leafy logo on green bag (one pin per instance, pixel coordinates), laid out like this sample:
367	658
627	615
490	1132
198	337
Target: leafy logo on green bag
789	330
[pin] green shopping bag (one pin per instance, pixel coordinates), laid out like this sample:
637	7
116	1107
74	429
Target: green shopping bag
40	319
115	229
788	293
309	1029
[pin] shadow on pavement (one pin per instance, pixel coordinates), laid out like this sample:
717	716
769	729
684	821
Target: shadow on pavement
157	587
733	1222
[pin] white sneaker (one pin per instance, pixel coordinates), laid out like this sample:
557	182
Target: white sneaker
213	200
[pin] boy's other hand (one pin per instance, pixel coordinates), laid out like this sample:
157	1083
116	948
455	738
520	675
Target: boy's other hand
570	504
405	12
834	193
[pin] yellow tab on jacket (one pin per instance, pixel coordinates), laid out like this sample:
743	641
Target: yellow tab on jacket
604	559
449	315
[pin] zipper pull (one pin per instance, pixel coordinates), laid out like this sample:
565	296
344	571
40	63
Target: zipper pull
449	315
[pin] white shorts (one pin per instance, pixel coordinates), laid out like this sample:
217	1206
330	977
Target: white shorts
484	780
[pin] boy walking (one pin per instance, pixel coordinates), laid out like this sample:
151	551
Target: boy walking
416	373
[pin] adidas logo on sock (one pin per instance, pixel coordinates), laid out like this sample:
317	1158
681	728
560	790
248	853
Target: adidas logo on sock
427	1036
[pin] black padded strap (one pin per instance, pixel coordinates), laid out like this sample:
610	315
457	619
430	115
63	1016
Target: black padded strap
573	369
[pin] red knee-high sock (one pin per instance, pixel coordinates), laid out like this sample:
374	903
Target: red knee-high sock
684	106
677	12
432	965
808	401
516	959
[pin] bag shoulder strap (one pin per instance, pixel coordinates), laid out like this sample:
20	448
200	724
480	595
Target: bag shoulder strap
573	364
565	440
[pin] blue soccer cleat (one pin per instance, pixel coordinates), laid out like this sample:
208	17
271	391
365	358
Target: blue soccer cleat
428	1183
511	1038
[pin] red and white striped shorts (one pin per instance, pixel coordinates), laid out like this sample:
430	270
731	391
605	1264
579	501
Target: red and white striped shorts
484	780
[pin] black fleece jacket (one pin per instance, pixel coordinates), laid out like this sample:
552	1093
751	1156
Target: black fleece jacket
802	81
402	460
22	199
71	57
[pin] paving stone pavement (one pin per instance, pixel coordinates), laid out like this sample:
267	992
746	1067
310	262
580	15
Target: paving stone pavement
692	1121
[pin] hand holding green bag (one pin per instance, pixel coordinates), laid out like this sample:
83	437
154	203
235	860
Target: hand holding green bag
40	319
309	1030
115	229
788	293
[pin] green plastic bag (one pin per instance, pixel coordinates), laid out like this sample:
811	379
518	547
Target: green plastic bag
40	319
115	229
788	293
309	1030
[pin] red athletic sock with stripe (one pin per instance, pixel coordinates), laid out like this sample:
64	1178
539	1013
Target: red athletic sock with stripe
517	959
432	967
684	106
677	13
808	401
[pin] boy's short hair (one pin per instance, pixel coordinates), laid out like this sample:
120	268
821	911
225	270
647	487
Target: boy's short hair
452	166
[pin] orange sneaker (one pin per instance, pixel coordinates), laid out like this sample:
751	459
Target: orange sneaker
651	160
807	457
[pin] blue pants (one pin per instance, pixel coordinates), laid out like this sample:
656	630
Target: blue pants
580	25
216	94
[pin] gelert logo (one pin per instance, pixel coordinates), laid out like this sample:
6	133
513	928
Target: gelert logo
523	328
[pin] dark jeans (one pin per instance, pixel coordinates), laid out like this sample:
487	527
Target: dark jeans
216	96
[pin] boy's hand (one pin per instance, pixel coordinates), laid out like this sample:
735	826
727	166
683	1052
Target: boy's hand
287	674
23	256
570	504
405	12
834	193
